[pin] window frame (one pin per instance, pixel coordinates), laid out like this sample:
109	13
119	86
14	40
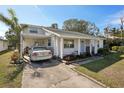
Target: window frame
67	45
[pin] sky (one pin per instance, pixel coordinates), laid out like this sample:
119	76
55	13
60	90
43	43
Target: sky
101	15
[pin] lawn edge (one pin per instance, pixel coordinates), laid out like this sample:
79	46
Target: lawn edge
92	79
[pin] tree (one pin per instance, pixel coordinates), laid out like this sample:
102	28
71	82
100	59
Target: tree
13	34
80	26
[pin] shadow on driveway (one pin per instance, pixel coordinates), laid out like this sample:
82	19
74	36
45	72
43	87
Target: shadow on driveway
45	63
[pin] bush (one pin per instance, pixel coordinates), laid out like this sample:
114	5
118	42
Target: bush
115	48
121	49
69	57
103	51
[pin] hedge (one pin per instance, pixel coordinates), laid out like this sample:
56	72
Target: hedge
118	48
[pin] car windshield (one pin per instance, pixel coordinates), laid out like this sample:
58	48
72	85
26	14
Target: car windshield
39	48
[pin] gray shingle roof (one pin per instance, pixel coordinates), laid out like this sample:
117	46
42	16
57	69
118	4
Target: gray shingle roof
70	33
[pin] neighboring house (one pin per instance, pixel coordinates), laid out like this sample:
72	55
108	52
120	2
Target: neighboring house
62	42
3	44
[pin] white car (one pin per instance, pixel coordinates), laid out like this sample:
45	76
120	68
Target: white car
40	53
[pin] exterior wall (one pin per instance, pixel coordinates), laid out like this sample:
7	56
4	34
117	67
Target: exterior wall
38	29
3	45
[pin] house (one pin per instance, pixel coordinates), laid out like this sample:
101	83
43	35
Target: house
3	45
62	42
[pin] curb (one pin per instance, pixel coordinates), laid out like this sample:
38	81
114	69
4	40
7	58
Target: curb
92	79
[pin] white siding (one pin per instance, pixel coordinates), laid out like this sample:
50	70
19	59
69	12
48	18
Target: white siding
39	31
3	45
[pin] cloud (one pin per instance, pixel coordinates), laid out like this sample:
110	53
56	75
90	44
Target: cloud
3	29
114	19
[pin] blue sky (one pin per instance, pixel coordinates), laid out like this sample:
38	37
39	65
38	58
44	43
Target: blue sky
46	15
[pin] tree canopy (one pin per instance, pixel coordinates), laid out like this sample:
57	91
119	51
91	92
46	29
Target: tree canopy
80	26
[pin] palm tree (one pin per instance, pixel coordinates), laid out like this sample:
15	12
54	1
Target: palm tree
14	26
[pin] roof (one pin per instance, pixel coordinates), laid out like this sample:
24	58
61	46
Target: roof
68	34
72	34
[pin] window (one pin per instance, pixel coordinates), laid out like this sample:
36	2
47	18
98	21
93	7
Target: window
49	42
68	43
33	30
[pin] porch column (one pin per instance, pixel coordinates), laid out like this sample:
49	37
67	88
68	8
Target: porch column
91	47
21	40
96	46
79	46
61	48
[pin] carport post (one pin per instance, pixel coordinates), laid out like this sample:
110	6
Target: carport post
21	45
61	48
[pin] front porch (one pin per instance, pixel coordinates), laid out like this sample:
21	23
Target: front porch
77	45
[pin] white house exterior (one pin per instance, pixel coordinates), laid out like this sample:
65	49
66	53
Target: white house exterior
3	45
62	42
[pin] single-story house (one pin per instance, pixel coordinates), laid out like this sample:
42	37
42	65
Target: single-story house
62	42
3	45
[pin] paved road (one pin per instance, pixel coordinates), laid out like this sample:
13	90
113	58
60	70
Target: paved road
53	74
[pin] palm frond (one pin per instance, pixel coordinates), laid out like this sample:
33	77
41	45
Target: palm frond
13	16
11	12
5	20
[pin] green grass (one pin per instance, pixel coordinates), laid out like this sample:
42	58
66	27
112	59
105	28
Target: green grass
109	70
10	75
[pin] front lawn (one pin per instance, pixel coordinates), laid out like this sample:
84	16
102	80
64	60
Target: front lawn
10	75
109	70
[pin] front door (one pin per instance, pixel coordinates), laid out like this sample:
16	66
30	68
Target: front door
82	46
87	49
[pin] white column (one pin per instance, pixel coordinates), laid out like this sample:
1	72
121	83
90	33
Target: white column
61	48
96	47
54	44
100	43
91	47
79	46
57	53
21	40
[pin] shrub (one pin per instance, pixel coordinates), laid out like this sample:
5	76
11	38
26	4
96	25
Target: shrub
69	57
115	48
103	51
121	48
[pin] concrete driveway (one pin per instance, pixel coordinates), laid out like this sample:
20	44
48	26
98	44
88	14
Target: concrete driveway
54	75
